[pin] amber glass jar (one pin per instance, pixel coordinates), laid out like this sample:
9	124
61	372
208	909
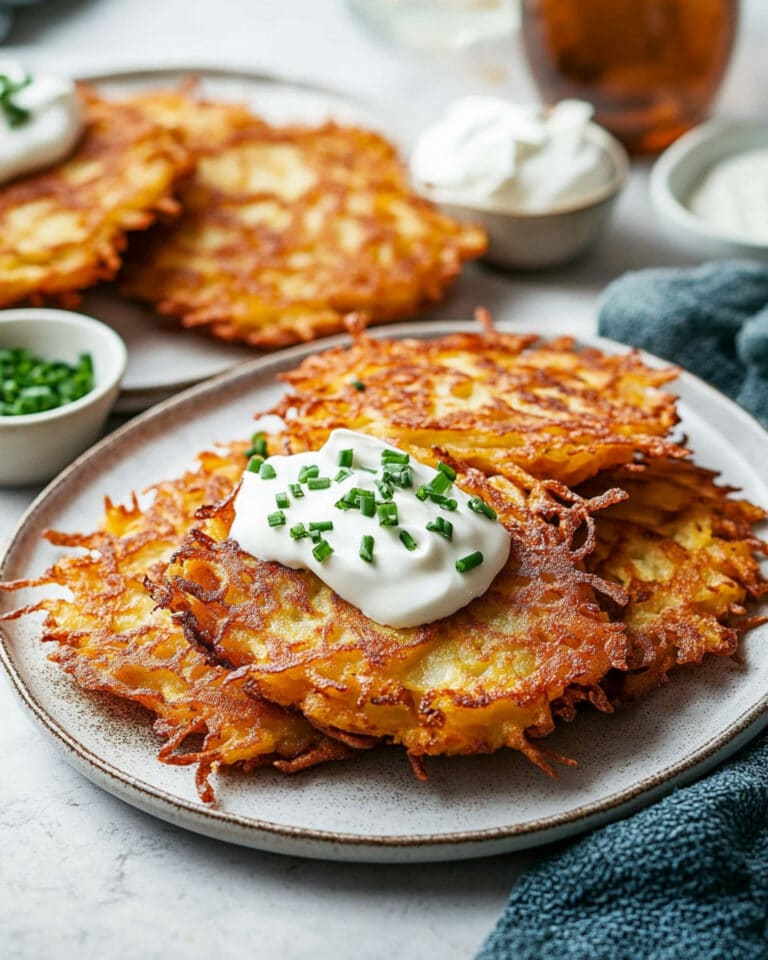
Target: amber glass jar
650	67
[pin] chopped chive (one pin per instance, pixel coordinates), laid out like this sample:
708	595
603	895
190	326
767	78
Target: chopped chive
317	535
480	506
448	471
367	504
447	503
422	493
407	540
342	475
299	531
387	514
440	482
384	489
366	549
258	446
311	470
357	384
322	550
281	499
254	464
472	560
276	519
296	490
395	456
321	525
319	483
346	457
342	504
267	471
369	469
401	476
441	526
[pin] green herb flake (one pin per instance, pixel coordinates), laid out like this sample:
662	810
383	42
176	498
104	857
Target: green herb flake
480	506
342	475
322	550
319	483
407	540
346	458
387	514
267	471
296	491
254	464
357	384
321	525
306	473
366	548
258	446
29	384
472	560
282	501
299	531
448	471
13	114
276	519
442	527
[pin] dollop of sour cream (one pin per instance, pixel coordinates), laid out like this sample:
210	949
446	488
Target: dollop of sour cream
733	195
52	123
516	157
411	574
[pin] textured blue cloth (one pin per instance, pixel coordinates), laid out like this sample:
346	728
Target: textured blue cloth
712	320
687	878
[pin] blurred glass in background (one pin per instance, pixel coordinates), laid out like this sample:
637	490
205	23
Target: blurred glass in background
439	24
651	68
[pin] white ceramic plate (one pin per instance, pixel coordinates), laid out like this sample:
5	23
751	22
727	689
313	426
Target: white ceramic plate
163	359
373	808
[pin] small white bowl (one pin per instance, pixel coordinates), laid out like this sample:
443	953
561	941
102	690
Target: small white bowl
533	240
680	168
36	446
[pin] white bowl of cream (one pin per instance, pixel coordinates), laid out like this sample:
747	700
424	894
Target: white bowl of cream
711	188
541	181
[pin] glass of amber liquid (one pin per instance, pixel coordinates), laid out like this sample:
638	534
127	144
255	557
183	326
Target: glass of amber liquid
651	68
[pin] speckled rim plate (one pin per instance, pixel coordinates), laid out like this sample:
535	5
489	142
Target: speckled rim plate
372	809
162	358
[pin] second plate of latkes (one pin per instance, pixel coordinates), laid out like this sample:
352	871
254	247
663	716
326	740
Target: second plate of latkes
372	807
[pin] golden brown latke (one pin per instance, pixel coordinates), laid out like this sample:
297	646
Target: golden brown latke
684	551
478	680
111	637
492	400
63	229
287	229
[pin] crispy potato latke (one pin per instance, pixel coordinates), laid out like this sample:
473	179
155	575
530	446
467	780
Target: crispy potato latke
470	683
287	229
111	636
494	401
685	553
62	230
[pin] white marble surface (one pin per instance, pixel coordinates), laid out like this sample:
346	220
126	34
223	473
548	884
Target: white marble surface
81	874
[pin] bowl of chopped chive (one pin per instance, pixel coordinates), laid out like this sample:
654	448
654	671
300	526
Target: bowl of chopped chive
60	374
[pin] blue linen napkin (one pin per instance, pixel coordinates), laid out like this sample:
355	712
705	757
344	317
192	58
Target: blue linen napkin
687	878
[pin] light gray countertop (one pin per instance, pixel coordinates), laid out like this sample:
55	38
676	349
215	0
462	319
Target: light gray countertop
83	875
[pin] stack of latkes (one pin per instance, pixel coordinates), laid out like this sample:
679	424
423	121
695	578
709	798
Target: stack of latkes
627	561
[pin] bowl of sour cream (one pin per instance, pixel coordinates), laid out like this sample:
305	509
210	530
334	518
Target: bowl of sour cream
541	181
711	188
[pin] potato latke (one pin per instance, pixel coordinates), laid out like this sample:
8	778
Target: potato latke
287	229
63	229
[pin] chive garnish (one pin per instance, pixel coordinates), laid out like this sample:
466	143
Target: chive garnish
407	540
384	489
321	525
401	476
29	384
422	493
276	519
480	506
448	471
387	514
322	550
299	531
394	456
319	483
357	384
441	526
15	116
258	446
254	464
342	475
267	471
369	469
281	499
312	470
447	503
440	482
366	548
342	504
296	490
367	503
346	457
472	560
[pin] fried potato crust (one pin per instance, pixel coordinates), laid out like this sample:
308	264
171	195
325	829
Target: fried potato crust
63	229
481	679
111	637
685	552
287	229
494	401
